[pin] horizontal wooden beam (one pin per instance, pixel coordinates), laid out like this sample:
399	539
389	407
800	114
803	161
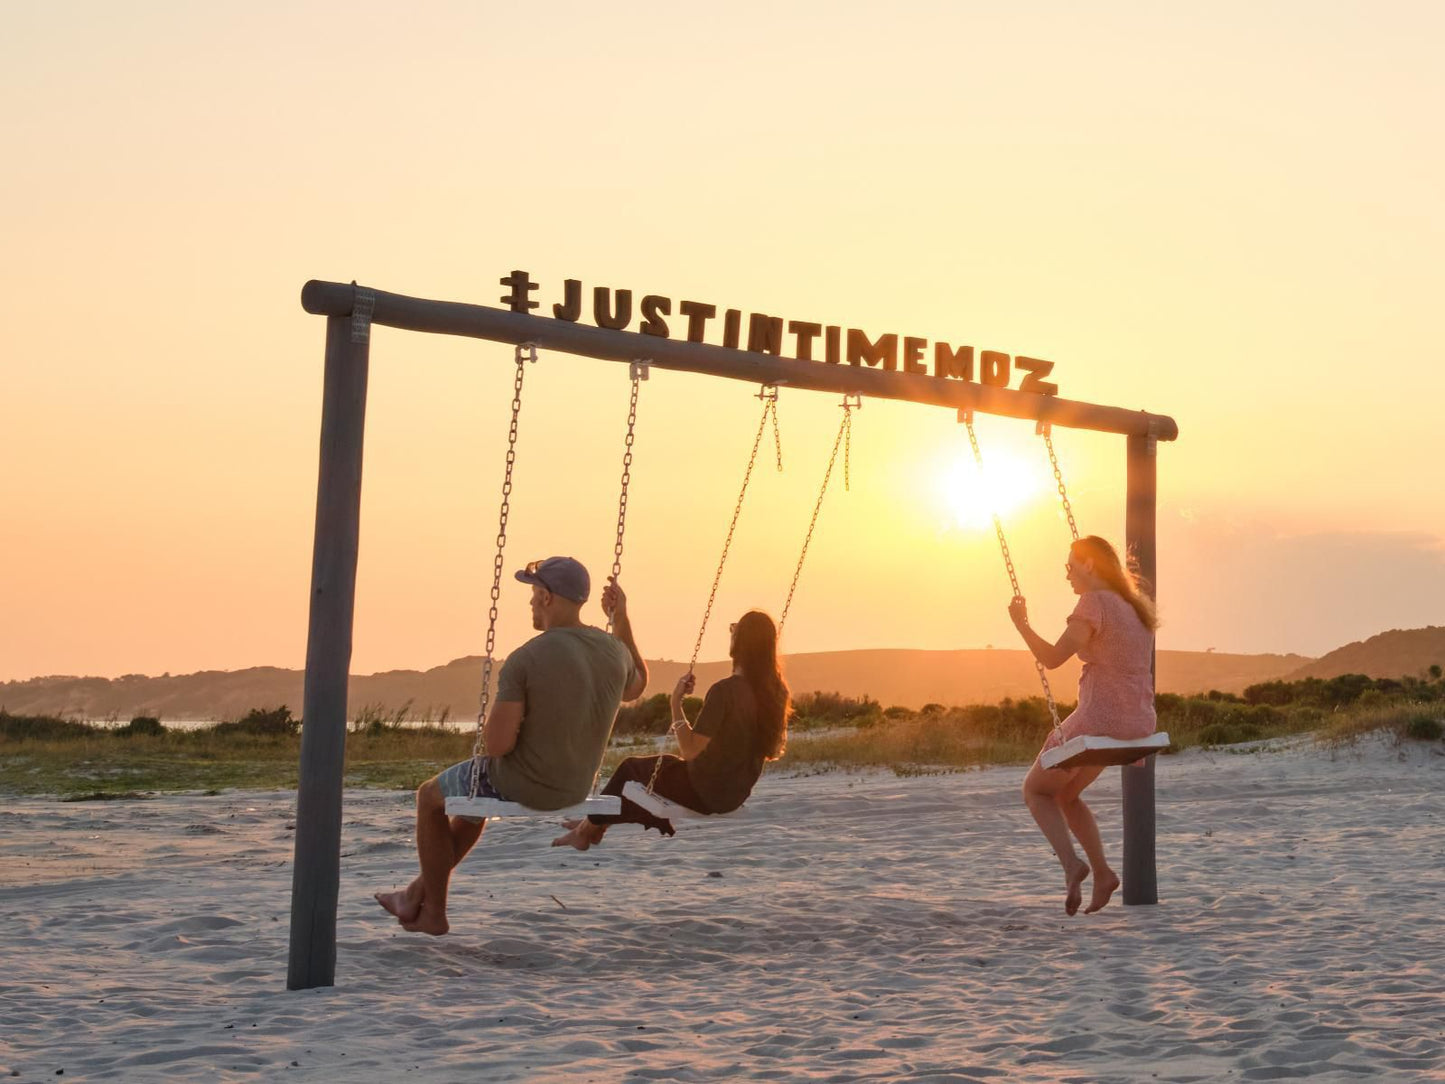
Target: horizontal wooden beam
501	325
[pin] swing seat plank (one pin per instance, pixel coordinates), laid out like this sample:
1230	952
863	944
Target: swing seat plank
1089	750
657	805
491	808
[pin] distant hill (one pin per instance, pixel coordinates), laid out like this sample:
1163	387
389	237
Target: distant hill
906	677
1393	654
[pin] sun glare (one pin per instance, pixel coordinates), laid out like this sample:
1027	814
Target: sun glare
972	497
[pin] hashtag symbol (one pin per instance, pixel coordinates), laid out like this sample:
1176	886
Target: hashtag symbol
521	285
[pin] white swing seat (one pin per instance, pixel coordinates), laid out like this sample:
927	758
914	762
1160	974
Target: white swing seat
1089	750
657	805
492	808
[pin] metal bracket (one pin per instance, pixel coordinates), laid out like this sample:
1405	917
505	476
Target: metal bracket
528	352
852	400
769	392
361	310
640	368
965	415
1042	429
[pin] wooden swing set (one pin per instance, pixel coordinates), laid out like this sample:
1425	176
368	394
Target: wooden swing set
351	311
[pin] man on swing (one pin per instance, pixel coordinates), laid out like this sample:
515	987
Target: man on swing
557	697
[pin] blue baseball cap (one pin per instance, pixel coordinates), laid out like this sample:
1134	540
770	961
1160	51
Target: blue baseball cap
563	576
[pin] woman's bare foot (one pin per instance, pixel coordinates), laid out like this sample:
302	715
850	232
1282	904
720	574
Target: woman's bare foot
399	904
1104	887
1074	880
581	833
427	921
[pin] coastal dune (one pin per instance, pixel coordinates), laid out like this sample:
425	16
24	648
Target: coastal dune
842	927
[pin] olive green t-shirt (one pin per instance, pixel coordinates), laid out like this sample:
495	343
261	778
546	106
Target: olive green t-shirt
570	683
724	773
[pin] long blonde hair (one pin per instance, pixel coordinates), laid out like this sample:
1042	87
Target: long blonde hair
1123	580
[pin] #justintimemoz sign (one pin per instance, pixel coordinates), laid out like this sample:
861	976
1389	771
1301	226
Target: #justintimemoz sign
828	344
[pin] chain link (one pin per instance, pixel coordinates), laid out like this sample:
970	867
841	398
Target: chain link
525	352
1059	479
1013	578
844	436
637	375
777	433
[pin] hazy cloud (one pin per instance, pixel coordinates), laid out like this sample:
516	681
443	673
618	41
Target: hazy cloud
1247	587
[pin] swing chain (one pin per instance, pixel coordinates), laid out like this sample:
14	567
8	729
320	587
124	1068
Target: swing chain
851	401
639	373
844	437
525	352
768	393
967	418
1059	478
770	406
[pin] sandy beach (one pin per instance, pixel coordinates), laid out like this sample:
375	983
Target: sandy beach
844	927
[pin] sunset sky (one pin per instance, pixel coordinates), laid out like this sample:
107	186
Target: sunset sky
1228	213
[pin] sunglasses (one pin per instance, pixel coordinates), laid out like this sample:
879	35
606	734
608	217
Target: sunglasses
532	570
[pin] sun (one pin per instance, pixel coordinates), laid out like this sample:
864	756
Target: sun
971	497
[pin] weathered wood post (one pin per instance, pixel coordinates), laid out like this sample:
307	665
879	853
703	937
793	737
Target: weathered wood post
1141	880
315	880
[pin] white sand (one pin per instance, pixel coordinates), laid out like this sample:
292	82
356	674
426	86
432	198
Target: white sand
864	927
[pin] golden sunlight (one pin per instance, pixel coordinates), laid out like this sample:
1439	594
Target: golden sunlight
972	497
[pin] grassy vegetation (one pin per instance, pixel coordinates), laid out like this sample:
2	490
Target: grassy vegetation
41	755
79	761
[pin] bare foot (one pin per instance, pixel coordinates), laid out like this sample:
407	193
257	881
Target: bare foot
1104	887
427	921
581	833
1074	879
399	904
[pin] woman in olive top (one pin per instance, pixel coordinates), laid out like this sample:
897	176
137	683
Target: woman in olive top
743	723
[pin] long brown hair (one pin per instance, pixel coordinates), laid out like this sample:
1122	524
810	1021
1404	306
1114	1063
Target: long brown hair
1123	580
755	653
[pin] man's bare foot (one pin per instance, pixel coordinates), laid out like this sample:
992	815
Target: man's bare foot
1074	879
581	833
399	904
1104	887
428	921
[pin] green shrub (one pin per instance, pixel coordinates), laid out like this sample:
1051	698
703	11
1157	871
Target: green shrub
261	722
653	715
1023	721
42	728
1424	728
376	719
1370	698
146	725
1229	733
1332	693
835	709
1305	716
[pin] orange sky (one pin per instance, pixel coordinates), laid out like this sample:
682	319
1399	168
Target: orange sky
1228	214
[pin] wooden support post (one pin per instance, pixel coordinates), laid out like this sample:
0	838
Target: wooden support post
1141	881
316	878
